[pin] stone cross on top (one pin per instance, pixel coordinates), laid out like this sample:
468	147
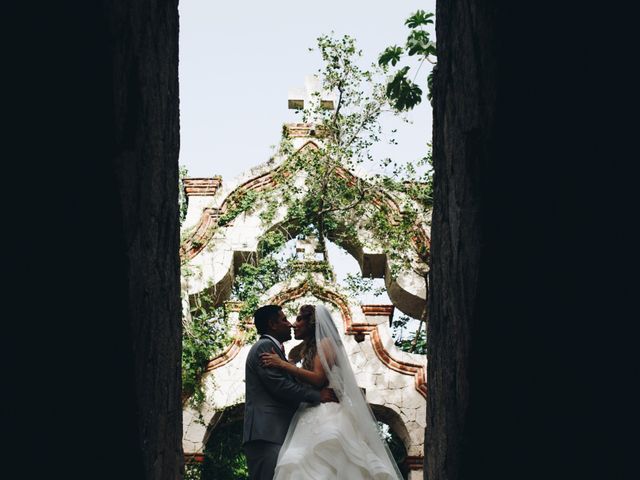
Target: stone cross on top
307	96
307	248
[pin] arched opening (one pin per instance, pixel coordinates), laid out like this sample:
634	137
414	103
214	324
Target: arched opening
395	434
239	235
284	251
396	447
223	457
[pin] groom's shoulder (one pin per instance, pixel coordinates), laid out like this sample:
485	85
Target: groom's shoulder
261	340
260	344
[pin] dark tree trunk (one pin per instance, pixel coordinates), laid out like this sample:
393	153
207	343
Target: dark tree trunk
94	264
145	92
517	342
464	133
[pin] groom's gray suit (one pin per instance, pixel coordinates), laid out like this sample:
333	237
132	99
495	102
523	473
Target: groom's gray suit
272	397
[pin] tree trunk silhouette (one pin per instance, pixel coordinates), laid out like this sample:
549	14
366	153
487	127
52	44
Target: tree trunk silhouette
145	59
517	312
464	110
93	264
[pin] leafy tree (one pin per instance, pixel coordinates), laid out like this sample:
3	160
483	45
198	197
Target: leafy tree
403	92
333	202
260	274
192	470
413	341
395	445
224	458
203	338
357	285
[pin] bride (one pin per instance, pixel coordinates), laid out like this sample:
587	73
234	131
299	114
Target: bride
337	441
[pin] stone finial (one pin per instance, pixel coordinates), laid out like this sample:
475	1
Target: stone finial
306	248
308	96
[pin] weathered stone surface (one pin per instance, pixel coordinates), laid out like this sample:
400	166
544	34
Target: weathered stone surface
215	261
384	386
415	475
387	374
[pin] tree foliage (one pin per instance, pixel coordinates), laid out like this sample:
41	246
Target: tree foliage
409	340
259	274
404	93
224	457
396	447
203	338
334	202
330	201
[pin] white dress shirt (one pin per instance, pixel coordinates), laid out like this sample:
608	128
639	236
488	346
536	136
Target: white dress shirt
277	343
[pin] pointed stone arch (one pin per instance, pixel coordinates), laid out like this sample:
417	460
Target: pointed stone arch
219	250
205	229
217	240
393	380
352	327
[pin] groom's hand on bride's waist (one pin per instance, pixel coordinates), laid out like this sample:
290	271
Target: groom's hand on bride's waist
328	395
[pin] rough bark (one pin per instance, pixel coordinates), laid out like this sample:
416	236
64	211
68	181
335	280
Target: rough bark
464	130
93	264
145	90
512	332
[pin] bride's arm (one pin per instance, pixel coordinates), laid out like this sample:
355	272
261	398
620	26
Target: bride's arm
315	377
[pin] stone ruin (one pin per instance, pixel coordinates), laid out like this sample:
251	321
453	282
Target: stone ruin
394	380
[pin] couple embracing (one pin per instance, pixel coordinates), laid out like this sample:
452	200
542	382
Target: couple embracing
308	422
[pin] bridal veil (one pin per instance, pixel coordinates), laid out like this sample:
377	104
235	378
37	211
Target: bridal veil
353	404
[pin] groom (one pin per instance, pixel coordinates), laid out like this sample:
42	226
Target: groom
272	396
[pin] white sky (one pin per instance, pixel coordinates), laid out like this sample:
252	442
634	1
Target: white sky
239	59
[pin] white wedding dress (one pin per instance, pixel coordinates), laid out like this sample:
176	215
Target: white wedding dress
335	441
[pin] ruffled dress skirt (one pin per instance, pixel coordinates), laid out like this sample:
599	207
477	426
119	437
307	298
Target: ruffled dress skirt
326	445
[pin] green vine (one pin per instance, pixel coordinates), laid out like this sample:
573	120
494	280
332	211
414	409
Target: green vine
357	285
329	203
413	342
203	338
243	202
255	278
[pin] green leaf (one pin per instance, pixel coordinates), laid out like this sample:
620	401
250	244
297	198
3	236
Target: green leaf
403	93
391	54
418	43
430	86
419	18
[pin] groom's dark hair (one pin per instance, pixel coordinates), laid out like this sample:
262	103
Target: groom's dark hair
262	316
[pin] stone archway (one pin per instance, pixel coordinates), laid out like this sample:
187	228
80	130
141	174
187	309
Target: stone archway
218	239
394	381
216	251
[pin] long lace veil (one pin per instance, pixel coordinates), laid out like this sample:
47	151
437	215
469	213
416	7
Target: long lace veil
341	378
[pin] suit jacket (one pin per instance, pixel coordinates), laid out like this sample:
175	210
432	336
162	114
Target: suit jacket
272	397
